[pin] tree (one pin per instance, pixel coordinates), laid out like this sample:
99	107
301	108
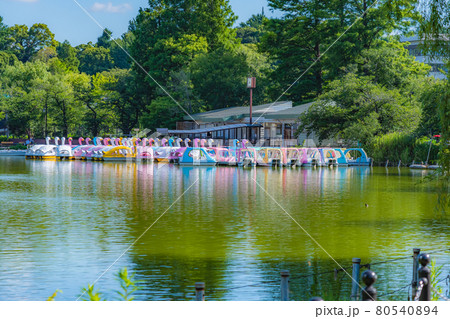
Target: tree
23	97
6	59
219	77
356	109
118	87
26	42
68	55
64	109
94	59
434	29
89	92
162	112
105	39
118	48
252	30
175	25
3	35
310	28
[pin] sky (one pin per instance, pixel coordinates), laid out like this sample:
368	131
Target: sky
68	21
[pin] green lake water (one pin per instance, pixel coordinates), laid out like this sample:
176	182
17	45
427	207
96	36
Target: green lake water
62	224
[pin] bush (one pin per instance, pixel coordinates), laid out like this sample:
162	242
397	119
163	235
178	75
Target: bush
402	147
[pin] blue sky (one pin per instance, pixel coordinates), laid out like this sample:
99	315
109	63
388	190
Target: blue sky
67	21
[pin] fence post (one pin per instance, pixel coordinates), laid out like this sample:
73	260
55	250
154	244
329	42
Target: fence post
285	285
416	252
424	275
199	291
369	293
355	278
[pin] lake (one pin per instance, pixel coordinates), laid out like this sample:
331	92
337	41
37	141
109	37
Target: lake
64	223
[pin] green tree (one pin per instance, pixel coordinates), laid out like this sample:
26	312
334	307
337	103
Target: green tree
68	55
23	97
6	59
182	28
94	59
26	42
118	87
251	31
118	48
310	27
89	92
3	35
105	39
162	112
356	109
434	29
65	110
219	77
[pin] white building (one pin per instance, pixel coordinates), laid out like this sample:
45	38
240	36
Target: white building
437	64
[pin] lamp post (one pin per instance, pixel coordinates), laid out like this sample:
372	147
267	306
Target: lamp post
251	84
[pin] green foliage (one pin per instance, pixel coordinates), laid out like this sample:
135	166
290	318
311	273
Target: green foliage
23	96
53	296
68	55
24	42
405	147
128	285
117	47
219	77
252	30
94	59
162	112
353	100
309	27
18	147
6	59
435	22
90	294
436	271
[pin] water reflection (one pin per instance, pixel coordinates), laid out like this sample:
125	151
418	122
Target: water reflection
63	223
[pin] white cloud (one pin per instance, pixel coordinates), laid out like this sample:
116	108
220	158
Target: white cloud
108	7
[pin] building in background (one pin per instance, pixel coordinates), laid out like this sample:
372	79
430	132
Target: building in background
274	124
437	64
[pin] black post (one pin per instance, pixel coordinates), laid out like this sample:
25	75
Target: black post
285	285
425	277
416	252
369	293
199	291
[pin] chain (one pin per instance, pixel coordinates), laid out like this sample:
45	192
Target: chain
439	294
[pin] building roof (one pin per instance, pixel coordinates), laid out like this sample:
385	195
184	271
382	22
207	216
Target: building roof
213	129
290	113
239	112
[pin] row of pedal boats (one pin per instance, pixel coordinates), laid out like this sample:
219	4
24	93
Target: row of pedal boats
196	152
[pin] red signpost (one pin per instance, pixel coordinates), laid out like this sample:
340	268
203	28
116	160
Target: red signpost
251	84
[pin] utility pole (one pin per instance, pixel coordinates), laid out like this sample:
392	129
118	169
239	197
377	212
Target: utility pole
251	84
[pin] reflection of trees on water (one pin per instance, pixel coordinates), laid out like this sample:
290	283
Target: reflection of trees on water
225	230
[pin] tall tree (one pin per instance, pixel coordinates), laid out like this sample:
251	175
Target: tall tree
435	30
68	55
252	30
310	27
173	24
94	59
24	98
105	39
25	42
